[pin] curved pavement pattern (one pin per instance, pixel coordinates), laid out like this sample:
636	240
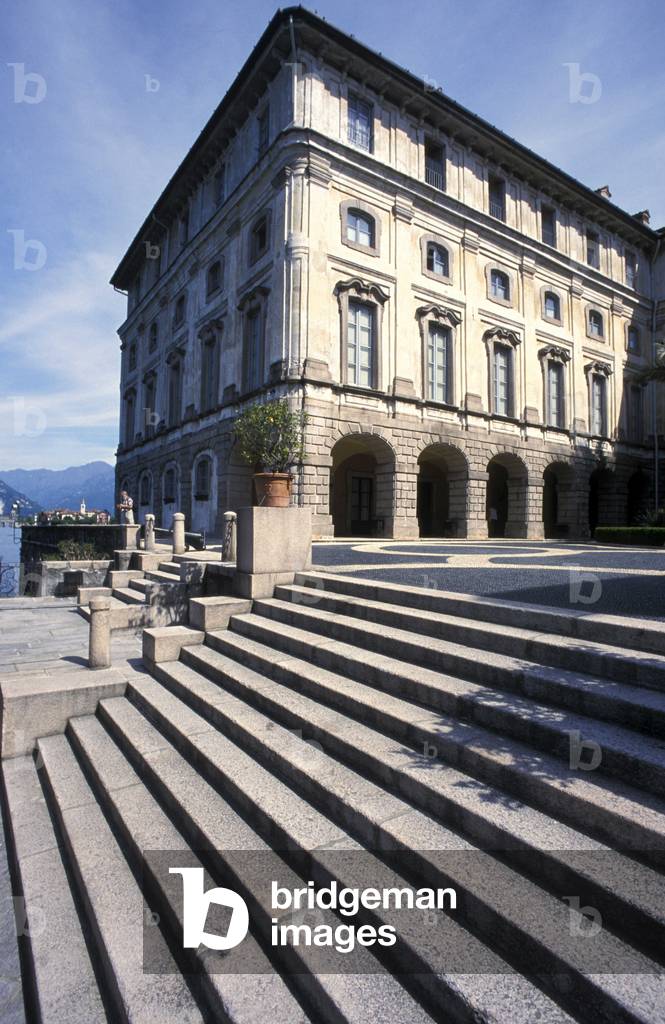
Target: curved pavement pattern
611	580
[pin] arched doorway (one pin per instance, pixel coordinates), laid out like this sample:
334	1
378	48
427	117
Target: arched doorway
506	504
441	494
362	480
204	493
170	495
637	497
145	496
558	506
601	499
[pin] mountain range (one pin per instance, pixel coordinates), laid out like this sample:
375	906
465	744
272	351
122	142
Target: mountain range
9	497
62	488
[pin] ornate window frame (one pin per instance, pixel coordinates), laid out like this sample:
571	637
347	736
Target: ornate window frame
510	340
210	334
629	326
358	204
588	310
546	290
558	354
253	301
425	242
591	370
512	284
442	315
254	255
371	295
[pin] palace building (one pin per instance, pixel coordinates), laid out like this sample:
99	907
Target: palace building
464	324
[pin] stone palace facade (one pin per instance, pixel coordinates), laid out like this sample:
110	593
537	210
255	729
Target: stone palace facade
464	324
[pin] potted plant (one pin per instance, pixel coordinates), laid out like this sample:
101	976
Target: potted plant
270	438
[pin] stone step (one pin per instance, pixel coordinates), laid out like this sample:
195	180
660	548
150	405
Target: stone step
62	986
625	755
128	595
360	732
110	897
634	707
580	623
173	568
122	577
585	656
144	826
584	799
210	822
289	822
524	921
159	576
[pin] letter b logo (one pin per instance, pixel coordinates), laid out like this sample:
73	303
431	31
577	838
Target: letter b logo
195	904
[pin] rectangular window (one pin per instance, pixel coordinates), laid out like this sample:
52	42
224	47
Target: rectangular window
438	360
434	165
548	225
179	311
149	414
254	351
598	405
129	420
497	196
360	345
636	405
209	376
593	249
183	230
264	129
502	380
555	393
631	269
360	122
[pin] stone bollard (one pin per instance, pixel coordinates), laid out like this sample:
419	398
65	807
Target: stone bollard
178	533
229	540
149	532
99	649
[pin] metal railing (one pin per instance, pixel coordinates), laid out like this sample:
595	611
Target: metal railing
497	210
194	541
434	176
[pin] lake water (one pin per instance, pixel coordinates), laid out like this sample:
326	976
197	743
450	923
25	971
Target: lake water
10	554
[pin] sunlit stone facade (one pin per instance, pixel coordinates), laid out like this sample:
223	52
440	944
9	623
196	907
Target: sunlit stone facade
464	324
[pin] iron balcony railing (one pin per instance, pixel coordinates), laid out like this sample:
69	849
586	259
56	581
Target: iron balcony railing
434	176
497	210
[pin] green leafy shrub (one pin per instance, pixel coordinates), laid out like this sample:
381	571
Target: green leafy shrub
74	551
647	536
270	436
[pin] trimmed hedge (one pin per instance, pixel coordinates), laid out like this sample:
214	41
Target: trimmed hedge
647	536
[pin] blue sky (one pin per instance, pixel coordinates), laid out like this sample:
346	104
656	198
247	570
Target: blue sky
86	162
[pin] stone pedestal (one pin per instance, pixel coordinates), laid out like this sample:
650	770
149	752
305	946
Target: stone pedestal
150	532
273	545
178	533
99	650
130	536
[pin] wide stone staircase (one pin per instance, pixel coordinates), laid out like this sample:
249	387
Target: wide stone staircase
516	753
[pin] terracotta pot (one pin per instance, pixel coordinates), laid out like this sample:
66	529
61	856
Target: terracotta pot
273	490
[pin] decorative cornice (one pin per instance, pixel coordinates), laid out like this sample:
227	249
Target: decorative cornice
600	368
177	352
319	170
436	312
364	289
403	210
554	352
254	294
210	328
501	334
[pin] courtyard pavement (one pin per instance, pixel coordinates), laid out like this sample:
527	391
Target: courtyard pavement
610	580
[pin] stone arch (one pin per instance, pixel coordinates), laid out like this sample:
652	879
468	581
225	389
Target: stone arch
170	494
443	475
145	497
506	499
559	500
638	492
362	485
602	491
204	510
